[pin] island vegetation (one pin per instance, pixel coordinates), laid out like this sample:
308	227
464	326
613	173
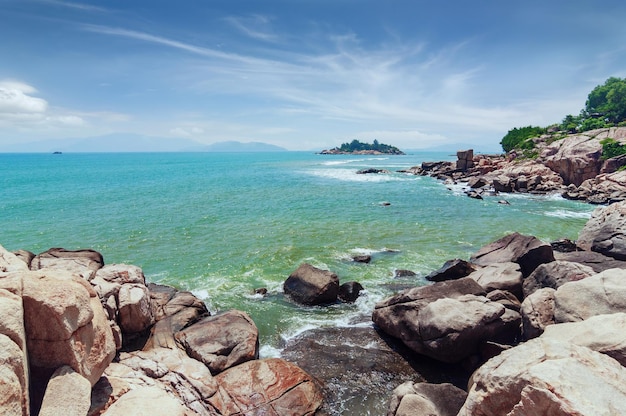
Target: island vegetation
357	147
605	107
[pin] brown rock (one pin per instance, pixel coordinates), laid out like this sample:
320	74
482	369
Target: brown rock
527	251
349	291
82	262
221	341
452	269
13	379
149	401
554	275
500	276
65	324
309	285
135	308
9	262
269	387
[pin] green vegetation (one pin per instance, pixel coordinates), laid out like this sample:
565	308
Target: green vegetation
605	107
356	146
518	138
612	148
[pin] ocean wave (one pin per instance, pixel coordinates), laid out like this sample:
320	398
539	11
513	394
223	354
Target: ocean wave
348	175
563	213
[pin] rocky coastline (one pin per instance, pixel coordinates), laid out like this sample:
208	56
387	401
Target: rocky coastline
521	327
572	166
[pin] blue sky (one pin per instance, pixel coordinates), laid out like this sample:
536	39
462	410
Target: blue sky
302	74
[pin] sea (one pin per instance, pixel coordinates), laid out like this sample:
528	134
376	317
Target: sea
225	224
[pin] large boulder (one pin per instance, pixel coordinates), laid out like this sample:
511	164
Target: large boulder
85	263
447	320
65	323
309	285
601	333
554	275
547	377
577	158
68	394
537	312
600	294
598	262
500	276
135	308
271	386
409	399
221	341
146	401
527	251
605	232
13	379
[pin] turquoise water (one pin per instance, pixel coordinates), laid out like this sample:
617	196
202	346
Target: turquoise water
223	225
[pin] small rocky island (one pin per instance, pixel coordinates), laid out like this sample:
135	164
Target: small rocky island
356	147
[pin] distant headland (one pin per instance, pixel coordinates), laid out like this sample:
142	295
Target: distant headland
356	147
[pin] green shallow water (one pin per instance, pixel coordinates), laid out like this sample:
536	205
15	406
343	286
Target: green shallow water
222	225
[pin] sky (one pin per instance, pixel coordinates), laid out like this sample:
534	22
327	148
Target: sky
302	74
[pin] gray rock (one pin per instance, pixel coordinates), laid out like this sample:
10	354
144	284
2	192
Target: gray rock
605	232
349	291
68	394
452	269
409	399
500	276
554	275
537	312
82	262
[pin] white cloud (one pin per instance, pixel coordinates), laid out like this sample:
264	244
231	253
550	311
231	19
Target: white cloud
15	99
186	131
255	26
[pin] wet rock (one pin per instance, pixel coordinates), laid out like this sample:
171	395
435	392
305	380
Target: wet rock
451	270
363	258
82	262
527	251
412	398
371	170
269	386
309	285
221	341
564	245
543	377
349	291
554	275
404	273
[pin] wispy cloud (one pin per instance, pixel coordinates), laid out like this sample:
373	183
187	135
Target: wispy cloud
255	26
74	5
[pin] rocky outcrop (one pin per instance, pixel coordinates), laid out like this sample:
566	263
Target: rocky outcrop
527	251
606	188
545	376
605	232
577	158
465	159
85	263
309	285
411	398
221	341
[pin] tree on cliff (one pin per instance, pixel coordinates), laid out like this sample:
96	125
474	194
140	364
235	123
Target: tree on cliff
605	107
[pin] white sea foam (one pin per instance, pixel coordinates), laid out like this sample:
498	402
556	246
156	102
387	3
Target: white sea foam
267	351
350	175
563	213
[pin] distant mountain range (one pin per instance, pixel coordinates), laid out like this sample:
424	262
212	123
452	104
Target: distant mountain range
124	143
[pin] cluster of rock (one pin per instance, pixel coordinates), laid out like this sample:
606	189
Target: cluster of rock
78	337
546	334
308	285
572	166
